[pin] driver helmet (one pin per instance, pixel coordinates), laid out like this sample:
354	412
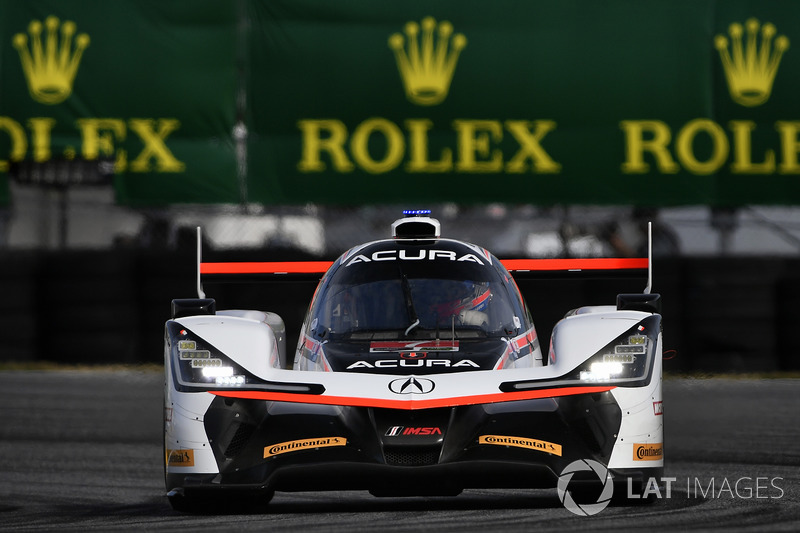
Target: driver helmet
474	297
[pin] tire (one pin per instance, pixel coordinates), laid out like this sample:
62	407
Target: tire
233	502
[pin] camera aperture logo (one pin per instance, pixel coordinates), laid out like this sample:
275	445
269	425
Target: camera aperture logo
744	487
585	509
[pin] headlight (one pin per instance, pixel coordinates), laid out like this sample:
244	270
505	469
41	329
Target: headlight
628	360
197	367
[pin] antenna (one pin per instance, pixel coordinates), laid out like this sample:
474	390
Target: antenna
200	293
649	258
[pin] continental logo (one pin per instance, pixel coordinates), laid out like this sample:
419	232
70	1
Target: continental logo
751	62
180	457
427	62
50	55
305	444
521	442
648	452
50	66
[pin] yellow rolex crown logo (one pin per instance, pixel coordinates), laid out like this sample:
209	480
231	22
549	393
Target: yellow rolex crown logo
750	67
50	66
426	62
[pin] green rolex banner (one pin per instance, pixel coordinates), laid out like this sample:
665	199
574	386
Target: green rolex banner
621	102
638	102
149	86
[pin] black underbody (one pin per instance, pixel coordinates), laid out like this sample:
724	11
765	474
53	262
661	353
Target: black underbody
402	452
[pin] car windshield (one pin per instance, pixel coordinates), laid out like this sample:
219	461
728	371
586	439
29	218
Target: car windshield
421	299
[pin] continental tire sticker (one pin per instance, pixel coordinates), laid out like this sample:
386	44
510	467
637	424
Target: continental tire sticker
521	442
648	452
180	457
305	444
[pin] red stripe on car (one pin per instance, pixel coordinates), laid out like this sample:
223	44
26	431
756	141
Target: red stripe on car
409	404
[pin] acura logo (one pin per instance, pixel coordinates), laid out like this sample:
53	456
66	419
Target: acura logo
411	385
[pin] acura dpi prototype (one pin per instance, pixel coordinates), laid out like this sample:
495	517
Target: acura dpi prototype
418	371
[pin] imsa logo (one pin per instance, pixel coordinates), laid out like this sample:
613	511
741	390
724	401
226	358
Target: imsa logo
397	431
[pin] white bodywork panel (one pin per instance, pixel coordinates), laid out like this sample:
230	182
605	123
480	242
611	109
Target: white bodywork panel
246	337
642	421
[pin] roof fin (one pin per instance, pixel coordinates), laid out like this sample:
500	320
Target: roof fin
416	224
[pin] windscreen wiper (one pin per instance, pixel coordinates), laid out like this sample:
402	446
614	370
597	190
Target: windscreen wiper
412	314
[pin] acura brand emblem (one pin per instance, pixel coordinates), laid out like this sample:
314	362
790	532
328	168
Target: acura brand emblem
411	385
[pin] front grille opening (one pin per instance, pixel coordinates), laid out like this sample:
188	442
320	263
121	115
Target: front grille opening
412	456
239	440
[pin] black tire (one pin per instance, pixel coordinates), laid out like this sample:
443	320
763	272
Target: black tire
227	503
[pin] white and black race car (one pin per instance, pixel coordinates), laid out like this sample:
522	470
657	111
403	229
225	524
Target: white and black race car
418	371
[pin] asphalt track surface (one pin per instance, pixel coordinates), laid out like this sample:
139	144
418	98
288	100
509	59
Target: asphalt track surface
81	451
